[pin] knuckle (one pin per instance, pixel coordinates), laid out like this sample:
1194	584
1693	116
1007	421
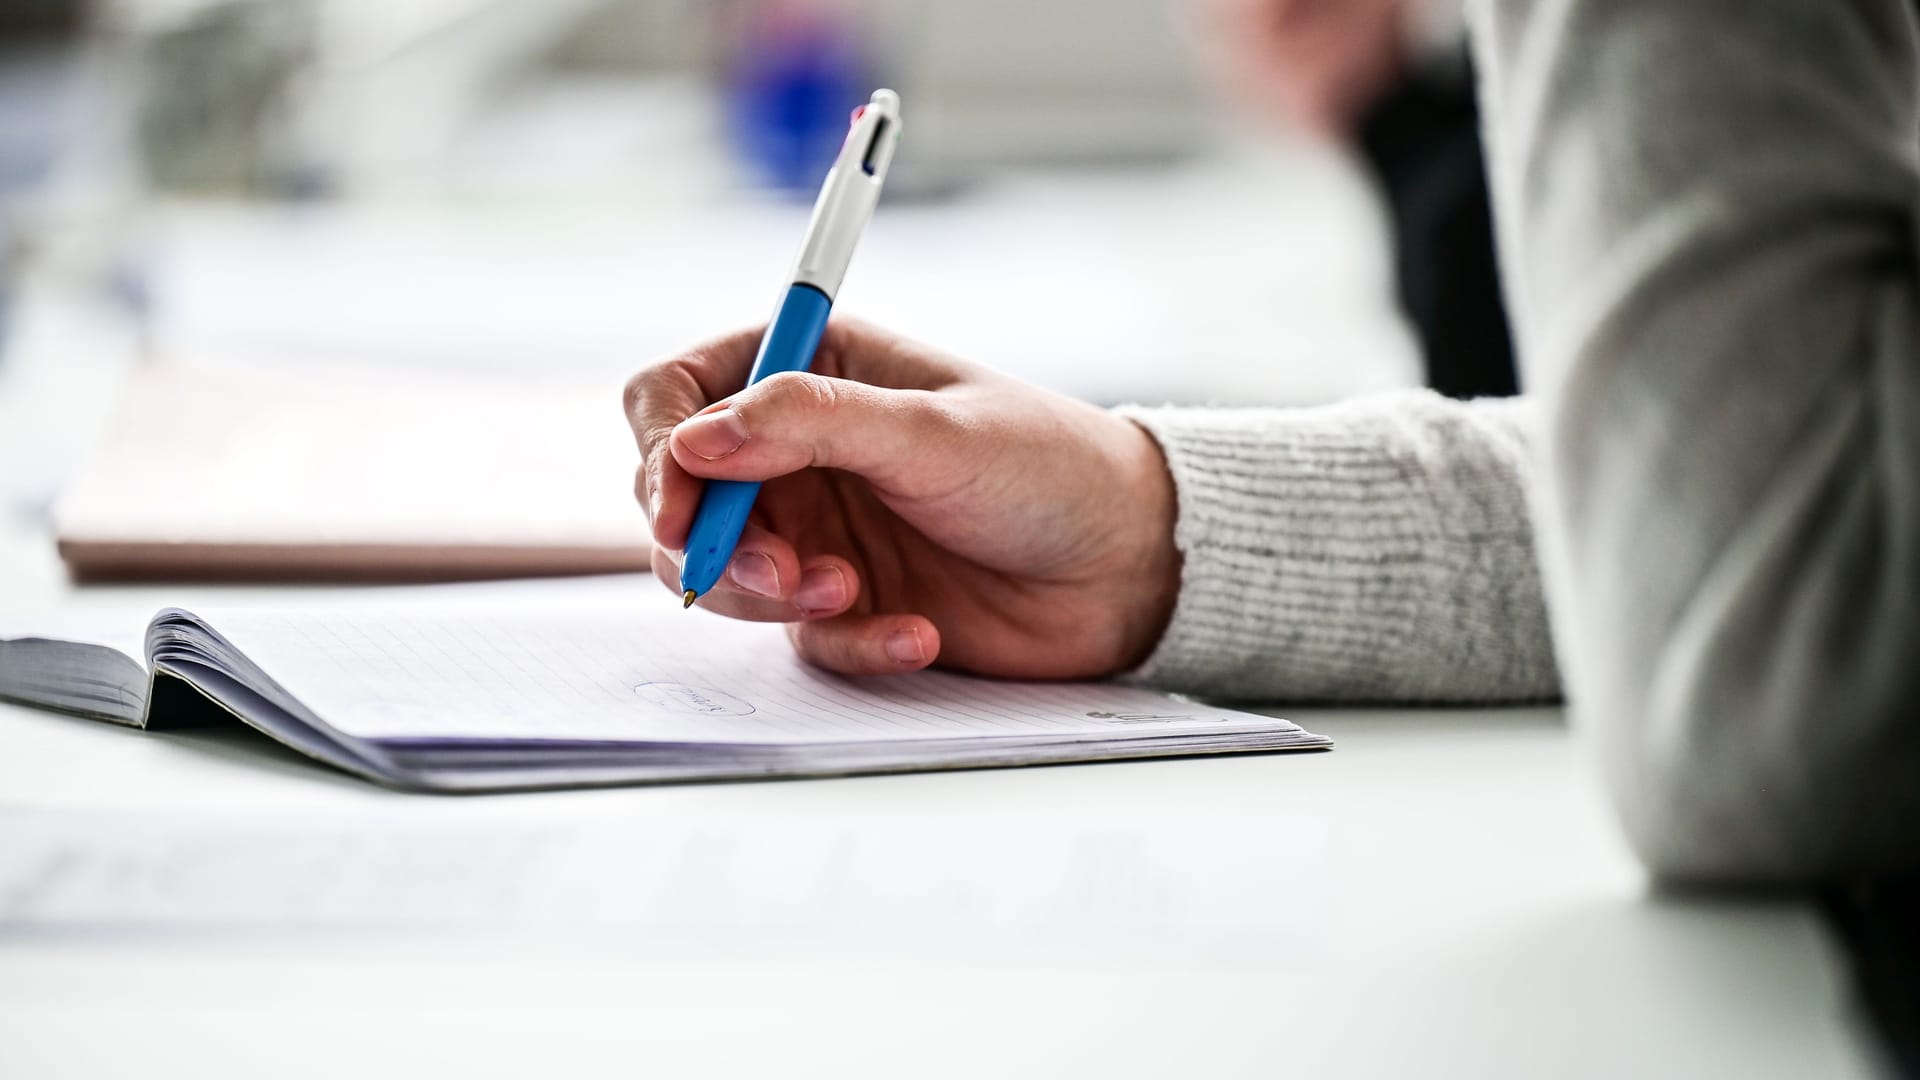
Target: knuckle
814	644
655	445
634	395
934	413
662	385
792	392
630	393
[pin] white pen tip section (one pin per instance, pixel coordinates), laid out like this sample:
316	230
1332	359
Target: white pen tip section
848	196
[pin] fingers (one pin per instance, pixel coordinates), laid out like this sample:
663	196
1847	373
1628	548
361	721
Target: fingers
766	582
670	495
898	440
867	644
658	399
815	609
857	350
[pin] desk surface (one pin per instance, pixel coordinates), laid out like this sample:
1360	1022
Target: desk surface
1481	919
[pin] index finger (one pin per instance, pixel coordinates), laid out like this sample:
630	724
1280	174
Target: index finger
657	400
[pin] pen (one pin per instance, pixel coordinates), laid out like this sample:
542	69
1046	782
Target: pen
846	202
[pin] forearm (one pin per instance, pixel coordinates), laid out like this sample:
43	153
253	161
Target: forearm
1378	550
1706	215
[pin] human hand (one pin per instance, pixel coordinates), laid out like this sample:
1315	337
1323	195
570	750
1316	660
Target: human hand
1318	64
916	508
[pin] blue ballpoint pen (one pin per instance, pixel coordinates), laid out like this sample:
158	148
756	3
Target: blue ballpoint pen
846	202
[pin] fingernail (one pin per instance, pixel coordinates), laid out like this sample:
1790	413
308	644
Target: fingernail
824	588
755	573
904	647
715	434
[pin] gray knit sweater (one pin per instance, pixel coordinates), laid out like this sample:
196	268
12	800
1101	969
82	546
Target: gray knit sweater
1708	213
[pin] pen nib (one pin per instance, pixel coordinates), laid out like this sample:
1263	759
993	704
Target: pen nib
691	596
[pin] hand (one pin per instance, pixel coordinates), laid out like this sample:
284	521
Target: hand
1317	63
916	509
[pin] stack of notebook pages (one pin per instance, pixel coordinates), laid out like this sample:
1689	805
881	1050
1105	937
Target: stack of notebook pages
457	695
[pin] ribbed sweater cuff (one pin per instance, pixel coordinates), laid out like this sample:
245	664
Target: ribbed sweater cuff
1307	548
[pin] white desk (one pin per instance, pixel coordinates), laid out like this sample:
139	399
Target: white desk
1482	920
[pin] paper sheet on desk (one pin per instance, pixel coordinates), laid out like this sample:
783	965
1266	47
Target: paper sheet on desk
469	688
621	671
880	881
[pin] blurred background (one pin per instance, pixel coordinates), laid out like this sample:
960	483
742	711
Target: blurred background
1127	200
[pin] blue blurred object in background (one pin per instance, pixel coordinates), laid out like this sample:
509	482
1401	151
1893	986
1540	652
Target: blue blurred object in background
797	70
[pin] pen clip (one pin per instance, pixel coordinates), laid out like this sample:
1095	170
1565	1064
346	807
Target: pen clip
848	196
870	162
872	131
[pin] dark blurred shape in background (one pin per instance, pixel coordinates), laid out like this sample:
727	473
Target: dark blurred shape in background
35	62
1422	139
32	20
218	85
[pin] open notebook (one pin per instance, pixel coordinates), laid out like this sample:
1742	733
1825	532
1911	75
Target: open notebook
472	696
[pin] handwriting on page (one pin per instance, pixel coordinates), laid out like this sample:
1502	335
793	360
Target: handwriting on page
677	697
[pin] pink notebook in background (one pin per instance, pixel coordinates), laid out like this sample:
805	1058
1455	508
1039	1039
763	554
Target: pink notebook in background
255	472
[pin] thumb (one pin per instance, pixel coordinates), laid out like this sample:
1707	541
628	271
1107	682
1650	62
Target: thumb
898	440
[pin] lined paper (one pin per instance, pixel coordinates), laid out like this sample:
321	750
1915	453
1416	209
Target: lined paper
626	672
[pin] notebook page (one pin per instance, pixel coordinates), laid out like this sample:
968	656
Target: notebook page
121	627
650	672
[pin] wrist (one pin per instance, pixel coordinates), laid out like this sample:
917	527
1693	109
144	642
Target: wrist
1152	568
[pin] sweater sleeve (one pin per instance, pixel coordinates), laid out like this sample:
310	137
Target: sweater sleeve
1374	550
1707	221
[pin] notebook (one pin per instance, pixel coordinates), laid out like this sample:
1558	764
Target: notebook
352	473
450	691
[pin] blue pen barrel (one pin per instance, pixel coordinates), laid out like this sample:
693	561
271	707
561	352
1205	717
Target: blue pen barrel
788	345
